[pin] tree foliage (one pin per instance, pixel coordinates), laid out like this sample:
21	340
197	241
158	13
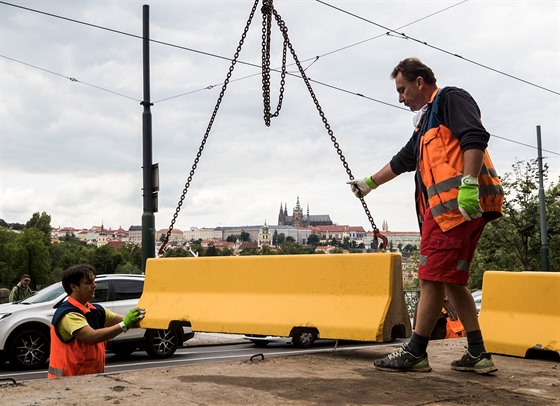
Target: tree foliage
513	243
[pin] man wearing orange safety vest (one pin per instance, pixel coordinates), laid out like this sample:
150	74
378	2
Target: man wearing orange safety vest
457	193
80	329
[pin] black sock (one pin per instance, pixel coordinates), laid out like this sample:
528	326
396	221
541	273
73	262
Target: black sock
475	343
418	344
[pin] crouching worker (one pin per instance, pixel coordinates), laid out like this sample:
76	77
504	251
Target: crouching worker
80	329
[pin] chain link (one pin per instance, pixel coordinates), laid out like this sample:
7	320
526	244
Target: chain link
266	38
341	156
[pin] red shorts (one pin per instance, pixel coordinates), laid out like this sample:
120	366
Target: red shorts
447	256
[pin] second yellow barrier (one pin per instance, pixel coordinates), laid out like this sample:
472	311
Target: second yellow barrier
352	297
521	312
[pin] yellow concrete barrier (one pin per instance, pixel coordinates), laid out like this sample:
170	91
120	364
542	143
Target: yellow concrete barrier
352	297
520	312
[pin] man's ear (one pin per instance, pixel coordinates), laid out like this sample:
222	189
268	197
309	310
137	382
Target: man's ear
419	81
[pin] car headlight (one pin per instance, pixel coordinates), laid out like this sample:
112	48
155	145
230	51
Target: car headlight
4	315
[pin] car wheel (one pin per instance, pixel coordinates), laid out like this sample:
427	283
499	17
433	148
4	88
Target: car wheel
303	338
161	343
29	349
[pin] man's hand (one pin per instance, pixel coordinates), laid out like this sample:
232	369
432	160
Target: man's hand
362	187
468	198
133	317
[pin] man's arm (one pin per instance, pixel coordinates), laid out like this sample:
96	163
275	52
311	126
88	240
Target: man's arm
384	175
473	162
91	336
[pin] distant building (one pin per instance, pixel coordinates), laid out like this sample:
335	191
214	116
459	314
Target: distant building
299	220
204	233
264	236
396	240
327	233
135	235
175	236
102	237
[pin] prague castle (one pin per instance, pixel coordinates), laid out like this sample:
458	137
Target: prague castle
299	220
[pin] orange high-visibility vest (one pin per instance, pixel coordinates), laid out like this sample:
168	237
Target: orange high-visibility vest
76	357
441	166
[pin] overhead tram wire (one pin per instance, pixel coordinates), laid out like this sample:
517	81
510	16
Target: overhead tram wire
404	36
316	58
398	28
72	79
241	62
242	78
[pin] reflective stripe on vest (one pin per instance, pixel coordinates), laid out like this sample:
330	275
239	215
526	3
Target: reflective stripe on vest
55	372
441	164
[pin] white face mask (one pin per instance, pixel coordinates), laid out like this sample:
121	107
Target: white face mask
418	116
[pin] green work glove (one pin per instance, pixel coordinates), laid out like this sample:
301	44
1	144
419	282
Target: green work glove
362	187
468	198
133	317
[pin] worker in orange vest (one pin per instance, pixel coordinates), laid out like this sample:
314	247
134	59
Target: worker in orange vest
80	329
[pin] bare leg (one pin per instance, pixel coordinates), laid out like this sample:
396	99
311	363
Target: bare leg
463	303
429	307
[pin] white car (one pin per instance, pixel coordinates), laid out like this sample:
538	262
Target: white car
25	326
477	296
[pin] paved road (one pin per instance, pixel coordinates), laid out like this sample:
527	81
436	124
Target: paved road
198	354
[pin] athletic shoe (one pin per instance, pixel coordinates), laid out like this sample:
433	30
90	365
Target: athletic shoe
482	364
403	360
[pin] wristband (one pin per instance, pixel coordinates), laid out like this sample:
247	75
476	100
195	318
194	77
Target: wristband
123	326
469	180
370	182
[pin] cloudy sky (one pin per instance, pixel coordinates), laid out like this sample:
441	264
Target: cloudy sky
73	148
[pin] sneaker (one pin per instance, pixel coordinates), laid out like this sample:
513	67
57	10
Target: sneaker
482	364
403	360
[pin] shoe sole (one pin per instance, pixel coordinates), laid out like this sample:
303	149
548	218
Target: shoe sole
422	369
481	371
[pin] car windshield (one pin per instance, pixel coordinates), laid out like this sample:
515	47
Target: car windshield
45	295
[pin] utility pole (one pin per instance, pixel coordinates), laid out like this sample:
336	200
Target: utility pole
542	205
150	171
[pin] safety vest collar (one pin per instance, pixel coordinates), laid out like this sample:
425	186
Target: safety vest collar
83	308
434	95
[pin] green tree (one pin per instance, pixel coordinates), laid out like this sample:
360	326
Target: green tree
512	243
211	251
249	251
33	256
175	253
245	236
280	238
266	250
313	239
8	258
292	248
233	238
106	260
41	222
226	252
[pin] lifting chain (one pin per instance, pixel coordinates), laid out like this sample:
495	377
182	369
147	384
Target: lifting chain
266	35
269	8
267	11
210	123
